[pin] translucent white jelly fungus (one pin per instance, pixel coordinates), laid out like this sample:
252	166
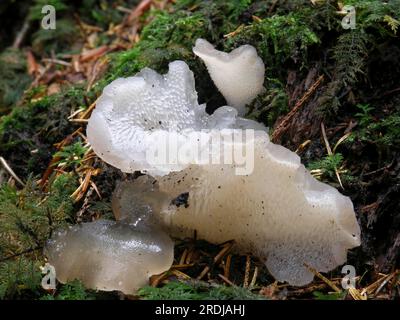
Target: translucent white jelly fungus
238	75
279	212
108	255
136	116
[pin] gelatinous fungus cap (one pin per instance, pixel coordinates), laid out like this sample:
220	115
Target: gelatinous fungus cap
136	117
109	255
238	75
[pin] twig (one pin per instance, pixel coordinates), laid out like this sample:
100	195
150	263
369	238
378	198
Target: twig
302	146
89	110
247	272
94	53
182	266
10	171
272	7
180	275
123	9
96	69
226	280
203	273
308	289
379	284
183	257
32	66
96	189
328	148
21	253
378	170
226	247
254	279
326	280
223	252
76	112
281	128
155	280
391	92
50	168
79	120
143	6
357	295
236	31
40	76
57	61
340	141
384	282
227	266
21	34
189	256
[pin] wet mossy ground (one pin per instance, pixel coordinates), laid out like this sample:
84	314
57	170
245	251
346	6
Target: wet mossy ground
358	103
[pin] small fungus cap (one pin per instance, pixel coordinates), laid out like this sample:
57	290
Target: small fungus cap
108	255
238	75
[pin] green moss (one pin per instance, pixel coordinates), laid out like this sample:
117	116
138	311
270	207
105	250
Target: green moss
332	296
28	133
27	219
277	39
382	130
270	105
20	278
222	16
28	216
168	37
59	201
350	54
73	290
327	165
71	156
175	290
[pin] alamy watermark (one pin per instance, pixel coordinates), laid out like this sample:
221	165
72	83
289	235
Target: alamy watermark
49	19
227	146
349	280
49	279
349	20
